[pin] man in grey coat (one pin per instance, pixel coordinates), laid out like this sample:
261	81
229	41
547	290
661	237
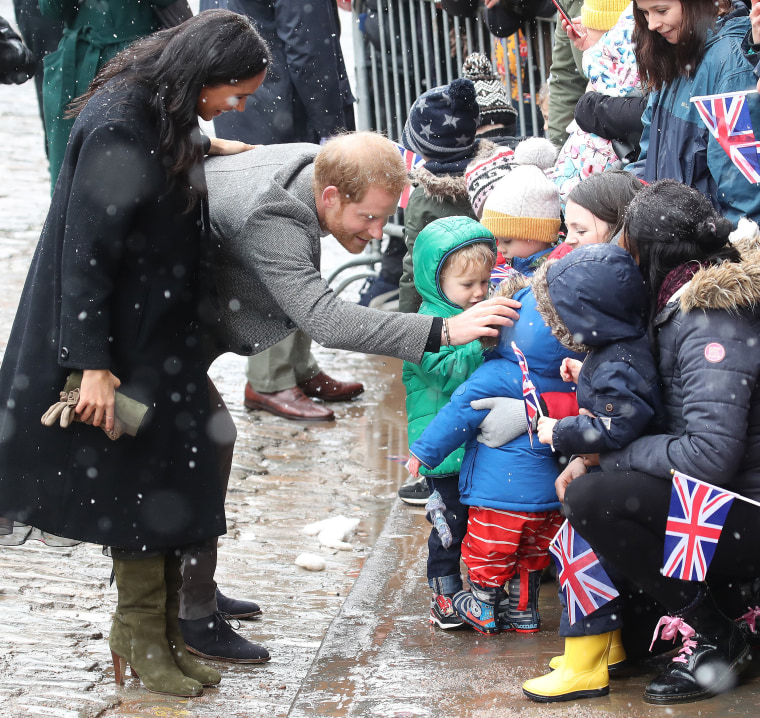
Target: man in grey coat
269	210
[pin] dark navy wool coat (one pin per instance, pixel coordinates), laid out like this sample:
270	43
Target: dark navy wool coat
114	284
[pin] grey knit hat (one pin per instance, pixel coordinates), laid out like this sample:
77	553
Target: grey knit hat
495	107
442	122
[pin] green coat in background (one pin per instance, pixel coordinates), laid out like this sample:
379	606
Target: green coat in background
95	31
430	384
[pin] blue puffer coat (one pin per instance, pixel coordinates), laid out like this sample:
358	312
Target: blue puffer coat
594	300
515	476
707	346
676	144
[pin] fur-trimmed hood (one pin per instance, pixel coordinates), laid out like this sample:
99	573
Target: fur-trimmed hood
730	286
439	186
591	297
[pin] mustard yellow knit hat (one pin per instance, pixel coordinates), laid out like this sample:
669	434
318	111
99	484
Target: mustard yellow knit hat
524	204
602	14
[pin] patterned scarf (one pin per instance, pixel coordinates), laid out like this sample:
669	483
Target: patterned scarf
675	279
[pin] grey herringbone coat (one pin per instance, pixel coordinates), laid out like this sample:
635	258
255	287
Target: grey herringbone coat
267	258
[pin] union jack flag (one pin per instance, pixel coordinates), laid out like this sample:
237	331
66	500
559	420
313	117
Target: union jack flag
728	119
530	393
501	272
411	160
695	521
585	583
745	157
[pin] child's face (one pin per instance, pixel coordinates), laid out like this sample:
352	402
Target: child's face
511	248
466	287
584	227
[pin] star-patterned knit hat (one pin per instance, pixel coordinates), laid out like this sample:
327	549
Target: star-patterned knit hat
442	122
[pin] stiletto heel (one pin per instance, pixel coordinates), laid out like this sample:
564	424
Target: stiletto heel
138	633
119	668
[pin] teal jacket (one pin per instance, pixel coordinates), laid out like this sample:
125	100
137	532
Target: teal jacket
430	384
677	145
95	31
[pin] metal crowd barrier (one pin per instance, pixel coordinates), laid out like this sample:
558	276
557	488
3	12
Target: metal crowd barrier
403	48
406	47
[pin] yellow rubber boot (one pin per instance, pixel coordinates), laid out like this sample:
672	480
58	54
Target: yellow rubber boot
617	657
583	673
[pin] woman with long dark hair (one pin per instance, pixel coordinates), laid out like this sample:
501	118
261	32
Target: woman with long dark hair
114	290
704	296
686	49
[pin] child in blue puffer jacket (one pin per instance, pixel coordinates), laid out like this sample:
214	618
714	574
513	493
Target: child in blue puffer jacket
514	511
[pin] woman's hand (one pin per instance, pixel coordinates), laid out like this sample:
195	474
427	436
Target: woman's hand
413	466
229	147
482	320
546	430
97	396
590	460
754	18
570	369
572	471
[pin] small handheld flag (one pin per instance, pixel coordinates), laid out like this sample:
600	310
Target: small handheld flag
728	119
585	583
695	521
411	160
530	393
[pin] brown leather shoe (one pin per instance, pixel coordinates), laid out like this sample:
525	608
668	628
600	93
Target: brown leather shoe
326	388
289	404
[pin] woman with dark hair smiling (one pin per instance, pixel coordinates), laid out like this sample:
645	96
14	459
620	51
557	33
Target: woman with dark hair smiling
686	49
595	207
114	291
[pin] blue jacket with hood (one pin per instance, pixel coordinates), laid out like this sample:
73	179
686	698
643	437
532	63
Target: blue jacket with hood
676	144
594	301
515	476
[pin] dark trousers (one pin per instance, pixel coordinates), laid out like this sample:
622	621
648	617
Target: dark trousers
443	572
623	516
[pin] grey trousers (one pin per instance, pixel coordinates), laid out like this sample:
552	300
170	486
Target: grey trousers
197	599
283	365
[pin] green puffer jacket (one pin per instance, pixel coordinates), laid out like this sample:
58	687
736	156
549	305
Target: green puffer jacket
430	384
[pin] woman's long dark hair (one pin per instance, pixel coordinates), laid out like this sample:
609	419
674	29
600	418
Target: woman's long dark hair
216	47
669	224
660	63
606	195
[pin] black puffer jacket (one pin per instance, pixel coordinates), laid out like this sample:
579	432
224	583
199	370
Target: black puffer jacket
707	345
17	63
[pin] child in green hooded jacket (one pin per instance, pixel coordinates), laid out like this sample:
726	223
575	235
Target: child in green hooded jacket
453	258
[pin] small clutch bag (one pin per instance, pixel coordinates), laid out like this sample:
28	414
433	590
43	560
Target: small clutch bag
129	413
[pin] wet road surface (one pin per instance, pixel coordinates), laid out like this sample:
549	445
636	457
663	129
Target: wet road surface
352	640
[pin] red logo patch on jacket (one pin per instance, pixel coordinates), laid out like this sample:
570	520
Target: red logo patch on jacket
715	352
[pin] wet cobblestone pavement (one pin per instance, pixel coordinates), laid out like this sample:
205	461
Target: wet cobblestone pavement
350	641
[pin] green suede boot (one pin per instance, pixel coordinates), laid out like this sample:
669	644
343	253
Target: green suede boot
138	632
185	662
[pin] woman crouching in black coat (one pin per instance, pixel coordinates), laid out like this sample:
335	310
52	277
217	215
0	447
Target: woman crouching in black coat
706	326
114	291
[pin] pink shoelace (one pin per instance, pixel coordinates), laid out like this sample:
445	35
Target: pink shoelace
672	626
751	618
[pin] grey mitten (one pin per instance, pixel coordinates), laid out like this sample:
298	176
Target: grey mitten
506	420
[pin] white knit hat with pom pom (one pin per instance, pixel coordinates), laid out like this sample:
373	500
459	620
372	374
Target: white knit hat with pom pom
524	204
